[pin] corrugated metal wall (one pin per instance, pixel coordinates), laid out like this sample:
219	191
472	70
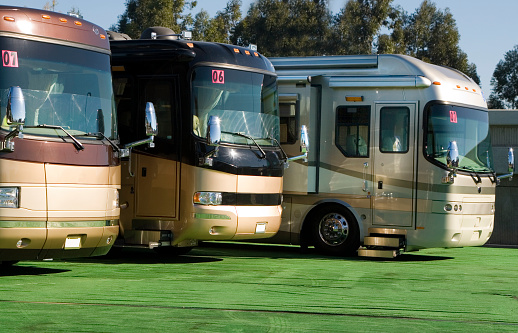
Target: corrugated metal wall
504	134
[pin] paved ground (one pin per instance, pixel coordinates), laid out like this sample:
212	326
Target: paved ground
224	287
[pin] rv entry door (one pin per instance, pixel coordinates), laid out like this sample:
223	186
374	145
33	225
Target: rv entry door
394	185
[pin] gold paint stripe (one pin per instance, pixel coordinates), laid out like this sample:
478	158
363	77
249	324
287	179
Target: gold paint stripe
426	187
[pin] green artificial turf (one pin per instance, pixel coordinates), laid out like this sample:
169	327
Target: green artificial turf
228	287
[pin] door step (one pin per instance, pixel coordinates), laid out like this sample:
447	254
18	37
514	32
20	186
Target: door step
363	252
383	243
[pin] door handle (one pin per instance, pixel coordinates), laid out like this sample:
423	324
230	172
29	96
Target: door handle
365	166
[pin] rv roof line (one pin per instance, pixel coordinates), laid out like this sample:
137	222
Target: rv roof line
329	62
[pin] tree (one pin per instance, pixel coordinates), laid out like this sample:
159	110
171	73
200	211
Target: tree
221	27
357	24
50	5
394	41
428	34
142	14
286	27
76	12
505	82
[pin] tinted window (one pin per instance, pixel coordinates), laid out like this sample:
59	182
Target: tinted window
352	130
394	129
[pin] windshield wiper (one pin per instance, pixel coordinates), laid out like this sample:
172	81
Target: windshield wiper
77	144
285	156
100	135
249	138
475	173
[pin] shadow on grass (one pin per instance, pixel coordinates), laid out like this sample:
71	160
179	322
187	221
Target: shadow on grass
209	252
238	249
407	257
144	256
16	270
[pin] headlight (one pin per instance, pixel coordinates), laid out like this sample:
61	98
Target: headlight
116	202
9	197
208	198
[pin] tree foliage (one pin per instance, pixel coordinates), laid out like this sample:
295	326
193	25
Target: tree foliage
142	14
357	24
505	82
286	27
219	28
428	34
307	27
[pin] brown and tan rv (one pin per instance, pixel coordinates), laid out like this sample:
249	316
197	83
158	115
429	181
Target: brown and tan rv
215	169
59	165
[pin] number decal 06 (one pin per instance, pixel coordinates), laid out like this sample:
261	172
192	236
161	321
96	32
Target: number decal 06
218	76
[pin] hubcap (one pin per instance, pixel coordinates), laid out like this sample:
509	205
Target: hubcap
333	229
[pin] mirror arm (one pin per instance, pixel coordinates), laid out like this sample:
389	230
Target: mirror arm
299	157
149	140
7	145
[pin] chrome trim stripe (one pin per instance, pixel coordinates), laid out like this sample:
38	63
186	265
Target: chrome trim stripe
23	224
211	216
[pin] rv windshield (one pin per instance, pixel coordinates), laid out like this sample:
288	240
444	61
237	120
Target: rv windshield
62	85
468	127
245	102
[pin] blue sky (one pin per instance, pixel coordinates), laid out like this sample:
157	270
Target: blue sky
487	29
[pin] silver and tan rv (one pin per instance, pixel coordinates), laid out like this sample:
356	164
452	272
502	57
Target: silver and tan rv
401	156
214	170
59	168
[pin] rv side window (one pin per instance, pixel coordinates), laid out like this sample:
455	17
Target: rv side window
289	110
352	130
394	129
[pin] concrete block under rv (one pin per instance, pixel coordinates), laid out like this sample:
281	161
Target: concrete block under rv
400	155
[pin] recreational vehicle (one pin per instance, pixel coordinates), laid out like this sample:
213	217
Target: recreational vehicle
59	166
214	170
401	155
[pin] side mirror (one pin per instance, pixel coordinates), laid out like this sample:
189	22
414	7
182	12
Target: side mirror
100	121
510	166
304	145
151	126
452	155
452	161
304	140
510	160
151	122
213	131
15	107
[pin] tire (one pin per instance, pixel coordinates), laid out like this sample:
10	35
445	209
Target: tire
334	231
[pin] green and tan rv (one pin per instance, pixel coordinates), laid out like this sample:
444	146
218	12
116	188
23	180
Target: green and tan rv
401	156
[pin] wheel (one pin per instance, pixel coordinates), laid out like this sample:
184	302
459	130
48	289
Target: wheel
334	231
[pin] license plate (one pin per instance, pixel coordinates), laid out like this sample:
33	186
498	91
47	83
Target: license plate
260	228
73	243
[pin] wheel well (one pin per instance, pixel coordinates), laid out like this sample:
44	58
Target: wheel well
305	238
